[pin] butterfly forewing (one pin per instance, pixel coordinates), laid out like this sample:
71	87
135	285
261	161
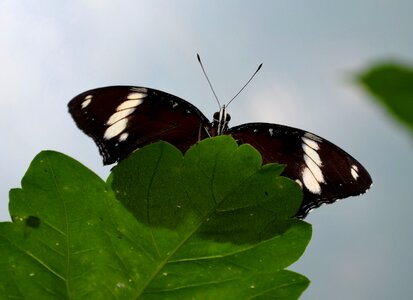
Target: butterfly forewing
325	172
121	119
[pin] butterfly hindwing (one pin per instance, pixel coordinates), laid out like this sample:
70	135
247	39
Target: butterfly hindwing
121	119
325	172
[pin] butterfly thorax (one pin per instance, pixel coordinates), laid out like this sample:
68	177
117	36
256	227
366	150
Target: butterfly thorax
220	122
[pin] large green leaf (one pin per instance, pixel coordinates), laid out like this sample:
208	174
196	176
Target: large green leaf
212	224
70	239
392	85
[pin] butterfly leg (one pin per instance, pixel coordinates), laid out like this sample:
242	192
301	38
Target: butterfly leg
200	135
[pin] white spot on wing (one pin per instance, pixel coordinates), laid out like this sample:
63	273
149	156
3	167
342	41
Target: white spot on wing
271	131
315	169
311	182
87	101
354	172
139	90
136	95
123	137
312	137
129	104
119	115
311	143
115	129
310	152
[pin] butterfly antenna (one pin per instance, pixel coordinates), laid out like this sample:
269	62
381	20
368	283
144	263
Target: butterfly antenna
259	67
206	76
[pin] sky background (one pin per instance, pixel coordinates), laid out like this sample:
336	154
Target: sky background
50	51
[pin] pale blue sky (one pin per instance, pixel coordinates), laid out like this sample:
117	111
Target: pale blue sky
51	51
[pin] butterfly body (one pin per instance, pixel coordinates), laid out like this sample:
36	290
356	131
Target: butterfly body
122	119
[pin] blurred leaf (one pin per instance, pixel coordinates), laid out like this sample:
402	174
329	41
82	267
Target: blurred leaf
392	85
212	224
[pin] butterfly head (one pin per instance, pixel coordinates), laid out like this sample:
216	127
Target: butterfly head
221	120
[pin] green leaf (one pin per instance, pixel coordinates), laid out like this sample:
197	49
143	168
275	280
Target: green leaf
392	85
231	218
212	224
82	244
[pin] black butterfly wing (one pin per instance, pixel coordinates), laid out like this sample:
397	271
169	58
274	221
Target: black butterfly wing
325	172
121	119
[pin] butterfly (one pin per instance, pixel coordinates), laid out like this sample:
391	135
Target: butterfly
121	119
